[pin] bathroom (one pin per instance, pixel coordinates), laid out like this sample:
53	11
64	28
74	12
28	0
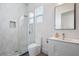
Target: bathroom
22	24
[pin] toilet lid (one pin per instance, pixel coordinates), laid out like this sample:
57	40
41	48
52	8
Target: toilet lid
33	45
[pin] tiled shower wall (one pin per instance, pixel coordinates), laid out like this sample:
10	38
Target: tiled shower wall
13	41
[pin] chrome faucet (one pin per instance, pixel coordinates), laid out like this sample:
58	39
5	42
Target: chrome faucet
63	36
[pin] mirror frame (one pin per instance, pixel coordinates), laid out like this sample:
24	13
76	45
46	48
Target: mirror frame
74	18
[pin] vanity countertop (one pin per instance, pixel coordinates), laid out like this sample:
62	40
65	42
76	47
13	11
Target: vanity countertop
68	40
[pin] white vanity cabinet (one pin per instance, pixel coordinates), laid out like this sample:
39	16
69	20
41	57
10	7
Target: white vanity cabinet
51	49
61	48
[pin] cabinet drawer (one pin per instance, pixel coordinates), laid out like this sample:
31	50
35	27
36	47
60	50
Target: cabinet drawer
54	42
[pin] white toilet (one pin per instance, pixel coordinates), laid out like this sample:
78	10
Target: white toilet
34	49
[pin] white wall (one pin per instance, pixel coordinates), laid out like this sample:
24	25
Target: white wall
47	27
11	39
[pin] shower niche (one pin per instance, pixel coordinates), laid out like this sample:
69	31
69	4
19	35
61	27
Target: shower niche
12	24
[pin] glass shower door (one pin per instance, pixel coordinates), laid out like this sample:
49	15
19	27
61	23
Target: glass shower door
31	28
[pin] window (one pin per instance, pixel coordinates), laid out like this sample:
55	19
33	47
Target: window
39	14
31	18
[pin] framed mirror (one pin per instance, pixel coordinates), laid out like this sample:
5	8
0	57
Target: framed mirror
65	16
